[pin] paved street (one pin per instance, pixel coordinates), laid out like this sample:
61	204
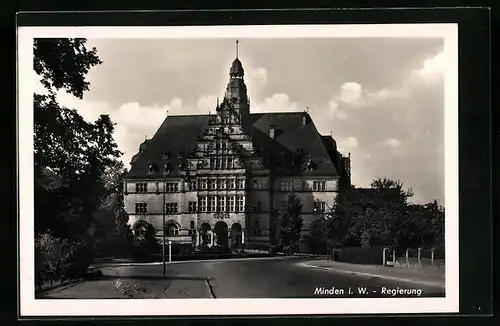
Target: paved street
277	277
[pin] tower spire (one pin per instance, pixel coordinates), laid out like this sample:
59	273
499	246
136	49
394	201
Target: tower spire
236	49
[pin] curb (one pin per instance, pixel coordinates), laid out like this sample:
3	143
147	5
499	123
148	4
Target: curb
386	277
111	264
210	288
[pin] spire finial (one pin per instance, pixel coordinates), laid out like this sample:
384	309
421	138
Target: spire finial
236	49
217	101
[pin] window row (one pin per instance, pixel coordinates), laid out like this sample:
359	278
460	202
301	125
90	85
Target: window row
223	163
214	204
205	204
289	185
214	184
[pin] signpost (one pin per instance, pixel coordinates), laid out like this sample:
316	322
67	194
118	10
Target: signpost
169	251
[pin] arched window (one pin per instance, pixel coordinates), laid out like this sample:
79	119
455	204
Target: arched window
141	228
172	229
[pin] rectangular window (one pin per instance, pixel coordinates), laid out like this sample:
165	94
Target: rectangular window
256	184
141	187
223	164
213	184
172	187
203	204
230	204
212	163
171	208
319	207
212	204
319	185
287	185
221	205
241	183
192	207
256	228
203	184
141	208
240	205
222	183
257	207
192	185
231	184
191	228
230	163
218	163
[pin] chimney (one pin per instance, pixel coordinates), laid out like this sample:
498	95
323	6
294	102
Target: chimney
271	131
304	119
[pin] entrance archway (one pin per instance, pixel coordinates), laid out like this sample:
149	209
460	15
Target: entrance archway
236	232
205	235
221	234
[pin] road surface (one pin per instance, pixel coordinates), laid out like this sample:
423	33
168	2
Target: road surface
276	277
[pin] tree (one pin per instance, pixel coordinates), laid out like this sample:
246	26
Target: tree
70	154
145	242
383	216
290	221
64	63
110	222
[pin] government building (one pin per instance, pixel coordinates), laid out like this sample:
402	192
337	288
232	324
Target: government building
220	179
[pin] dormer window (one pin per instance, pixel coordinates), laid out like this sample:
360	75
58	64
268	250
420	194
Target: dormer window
166	155
180	155
153	168
167	168
311	166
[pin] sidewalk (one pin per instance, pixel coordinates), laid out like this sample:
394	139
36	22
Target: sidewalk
122	287
422	276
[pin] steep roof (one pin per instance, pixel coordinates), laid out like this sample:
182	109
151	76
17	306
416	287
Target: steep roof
178	134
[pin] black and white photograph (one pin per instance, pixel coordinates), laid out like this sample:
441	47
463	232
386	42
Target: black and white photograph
225	170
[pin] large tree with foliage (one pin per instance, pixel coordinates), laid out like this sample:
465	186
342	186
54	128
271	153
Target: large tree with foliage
110	222
70	155
290	221
383	216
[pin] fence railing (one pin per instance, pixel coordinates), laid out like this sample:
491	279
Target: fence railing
413	258
390	256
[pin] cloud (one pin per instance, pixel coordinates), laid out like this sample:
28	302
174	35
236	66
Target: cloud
255	79
351	94
207	103
276	103
134	122
431	70
392	142
348	143
336	112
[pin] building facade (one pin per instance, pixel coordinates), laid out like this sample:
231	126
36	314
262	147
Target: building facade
221	178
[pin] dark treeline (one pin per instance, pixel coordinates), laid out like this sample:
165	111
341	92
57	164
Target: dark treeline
79	211
380	216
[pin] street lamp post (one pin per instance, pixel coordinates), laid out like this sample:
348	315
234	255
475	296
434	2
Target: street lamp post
163	242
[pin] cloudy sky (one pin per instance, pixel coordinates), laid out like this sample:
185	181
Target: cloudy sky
382	99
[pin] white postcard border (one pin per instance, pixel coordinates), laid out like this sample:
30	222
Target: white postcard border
29	306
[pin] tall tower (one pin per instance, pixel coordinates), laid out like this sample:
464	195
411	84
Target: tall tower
236	90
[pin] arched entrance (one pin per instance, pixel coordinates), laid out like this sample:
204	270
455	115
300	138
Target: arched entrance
236	235
221	234
205	235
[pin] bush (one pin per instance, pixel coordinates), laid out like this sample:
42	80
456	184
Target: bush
144	243
58	259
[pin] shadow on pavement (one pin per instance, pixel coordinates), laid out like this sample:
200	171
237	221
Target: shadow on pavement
151	277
